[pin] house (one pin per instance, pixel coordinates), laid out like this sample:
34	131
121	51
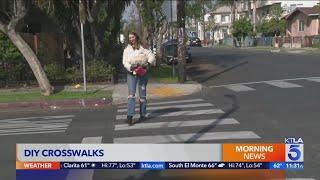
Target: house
303	21
222	14
222	19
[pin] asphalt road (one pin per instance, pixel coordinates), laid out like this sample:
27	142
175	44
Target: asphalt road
269	97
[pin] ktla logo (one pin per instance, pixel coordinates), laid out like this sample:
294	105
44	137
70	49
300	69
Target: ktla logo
294	149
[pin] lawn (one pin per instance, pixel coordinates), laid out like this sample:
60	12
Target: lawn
163	74
62	95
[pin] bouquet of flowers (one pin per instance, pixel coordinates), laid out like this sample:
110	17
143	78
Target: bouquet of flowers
140	66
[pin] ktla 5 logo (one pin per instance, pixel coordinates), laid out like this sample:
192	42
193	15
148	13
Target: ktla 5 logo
294	150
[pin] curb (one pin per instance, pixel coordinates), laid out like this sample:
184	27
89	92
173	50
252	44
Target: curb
55	105
184	90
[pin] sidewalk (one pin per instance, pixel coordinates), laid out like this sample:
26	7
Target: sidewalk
305	50
119	95
156	91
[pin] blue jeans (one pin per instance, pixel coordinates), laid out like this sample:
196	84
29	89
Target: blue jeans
142	88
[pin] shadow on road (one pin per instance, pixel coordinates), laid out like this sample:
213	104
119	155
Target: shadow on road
233	108
152	174
209	62
160	112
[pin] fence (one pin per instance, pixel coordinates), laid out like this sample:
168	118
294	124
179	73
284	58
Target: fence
296	42
285	42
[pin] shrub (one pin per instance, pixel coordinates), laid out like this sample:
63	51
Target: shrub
99	70
73	74
54	71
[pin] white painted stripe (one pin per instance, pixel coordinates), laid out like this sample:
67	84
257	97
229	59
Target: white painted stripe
185	137
176	124
91	140
40	132
257	82
173	106
84	174
169	102
314	79
42	117
10	126
36	121
32	129
178	113
283	84
239	88
57	117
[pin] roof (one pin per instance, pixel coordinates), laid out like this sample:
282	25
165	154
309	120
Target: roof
221	10
309	11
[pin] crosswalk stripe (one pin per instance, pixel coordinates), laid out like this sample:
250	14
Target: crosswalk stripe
10	126
41	117
176	124
34	122
283	84
22	123
169	102
39	132
185	137
33	129
57	117
239	88
257	82
178	113
91	140
173	106
314	79
85	173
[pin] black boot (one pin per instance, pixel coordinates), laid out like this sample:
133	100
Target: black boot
130	120
142	118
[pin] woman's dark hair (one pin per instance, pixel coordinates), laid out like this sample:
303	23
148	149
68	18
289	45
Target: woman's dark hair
136	35
137	39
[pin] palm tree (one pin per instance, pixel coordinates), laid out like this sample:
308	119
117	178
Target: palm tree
181	41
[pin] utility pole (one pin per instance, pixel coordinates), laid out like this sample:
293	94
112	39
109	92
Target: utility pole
171	24
82	21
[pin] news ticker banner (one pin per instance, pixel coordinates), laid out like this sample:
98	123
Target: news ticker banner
285	156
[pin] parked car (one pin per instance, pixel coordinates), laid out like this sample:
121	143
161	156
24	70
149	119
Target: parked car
170	53
194	41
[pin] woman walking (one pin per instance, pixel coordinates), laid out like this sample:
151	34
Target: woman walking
136	60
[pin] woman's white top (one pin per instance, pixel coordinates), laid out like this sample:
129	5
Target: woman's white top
137	56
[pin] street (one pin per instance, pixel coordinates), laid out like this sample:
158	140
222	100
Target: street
267	97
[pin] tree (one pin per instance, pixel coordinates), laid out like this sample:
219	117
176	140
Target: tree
101	30
148	11
102	27
254	14
197	9
241	28
8	22
193	11
153	23
274	26
181	41
162	30
210	25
